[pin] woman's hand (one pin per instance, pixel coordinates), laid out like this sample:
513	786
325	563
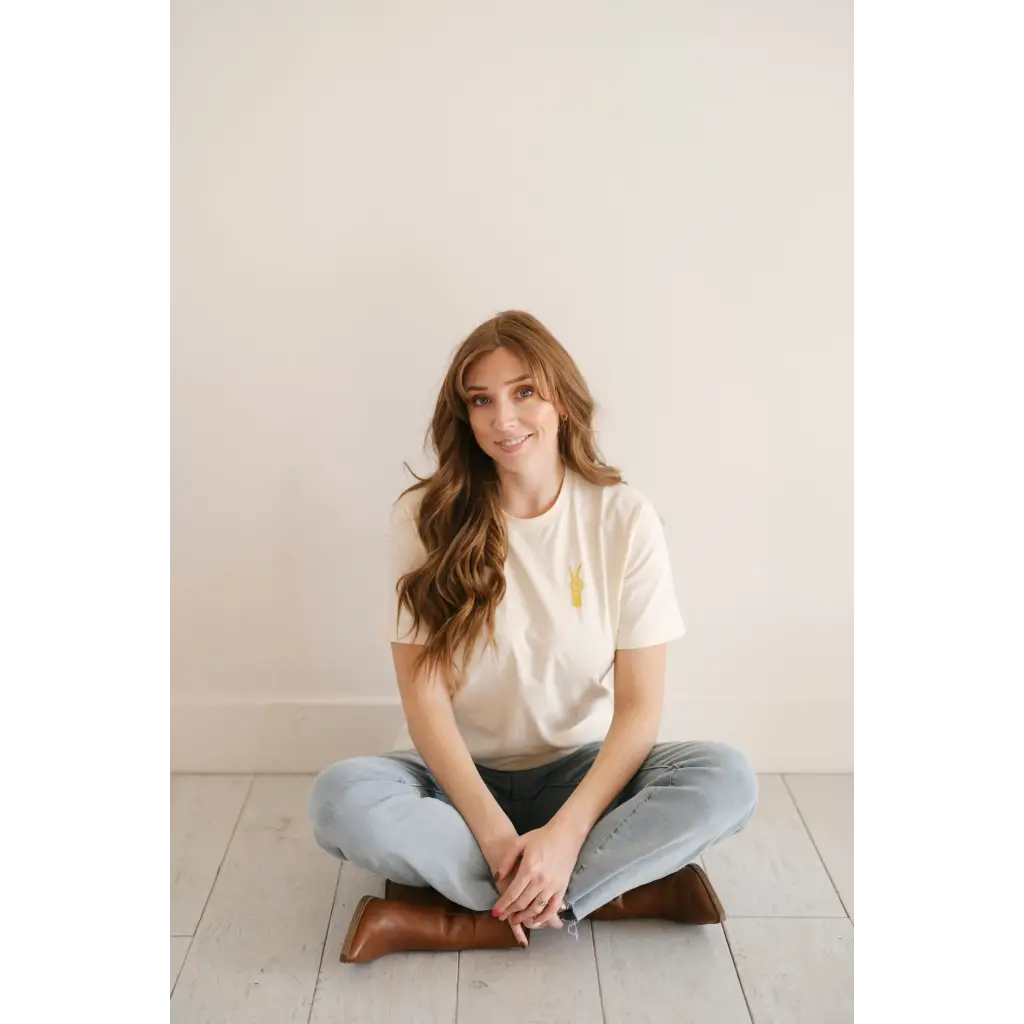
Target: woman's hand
496	852
534	891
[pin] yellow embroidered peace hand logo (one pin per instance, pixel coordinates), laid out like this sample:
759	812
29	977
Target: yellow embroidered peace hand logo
576	585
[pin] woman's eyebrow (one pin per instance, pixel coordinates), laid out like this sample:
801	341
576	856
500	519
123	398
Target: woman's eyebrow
476	387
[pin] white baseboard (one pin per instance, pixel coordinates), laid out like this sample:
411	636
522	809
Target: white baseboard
304	736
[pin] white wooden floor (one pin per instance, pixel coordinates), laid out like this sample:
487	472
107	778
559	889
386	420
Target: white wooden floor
258	913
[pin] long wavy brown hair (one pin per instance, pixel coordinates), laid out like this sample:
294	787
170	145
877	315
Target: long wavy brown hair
457	590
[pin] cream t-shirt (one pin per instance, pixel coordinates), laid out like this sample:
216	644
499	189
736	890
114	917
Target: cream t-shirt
589	576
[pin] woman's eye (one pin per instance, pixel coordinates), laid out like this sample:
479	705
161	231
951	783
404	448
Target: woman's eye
526	391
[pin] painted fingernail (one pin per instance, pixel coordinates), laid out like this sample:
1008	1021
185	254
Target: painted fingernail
494	913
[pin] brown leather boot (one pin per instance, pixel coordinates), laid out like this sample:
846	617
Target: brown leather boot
387	926
686	896
422	895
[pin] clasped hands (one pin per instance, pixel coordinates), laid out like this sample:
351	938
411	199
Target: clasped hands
532	876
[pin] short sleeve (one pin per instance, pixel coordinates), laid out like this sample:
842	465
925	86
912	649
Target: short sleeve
405	553
648	610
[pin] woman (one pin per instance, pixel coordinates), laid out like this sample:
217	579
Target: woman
526	788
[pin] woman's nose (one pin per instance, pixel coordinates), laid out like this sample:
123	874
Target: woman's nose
504	415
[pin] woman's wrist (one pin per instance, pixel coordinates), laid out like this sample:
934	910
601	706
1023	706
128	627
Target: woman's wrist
493	840
573	825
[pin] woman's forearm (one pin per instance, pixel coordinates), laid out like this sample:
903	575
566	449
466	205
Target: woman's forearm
632	734
432	727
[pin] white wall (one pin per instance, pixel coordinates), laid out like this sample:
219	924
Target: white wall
356	185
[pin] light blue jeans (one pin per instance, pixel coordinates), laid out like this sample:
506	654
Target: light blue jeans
389	815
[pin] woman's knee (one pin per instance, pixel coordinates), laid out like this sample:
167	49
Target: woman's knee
331	797
735	781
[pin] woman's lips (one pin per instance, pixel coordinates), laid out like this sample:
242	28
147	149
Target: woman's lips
514	447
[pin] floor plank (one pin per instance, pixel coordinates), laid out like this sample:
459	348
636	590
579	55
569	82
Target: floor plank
400	987
554	981
204	810
795	971
826	804
771	868
652	971
256	952
179	950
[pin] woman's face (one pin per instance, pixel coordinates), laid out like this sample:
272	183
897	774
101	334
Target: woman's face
510	421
